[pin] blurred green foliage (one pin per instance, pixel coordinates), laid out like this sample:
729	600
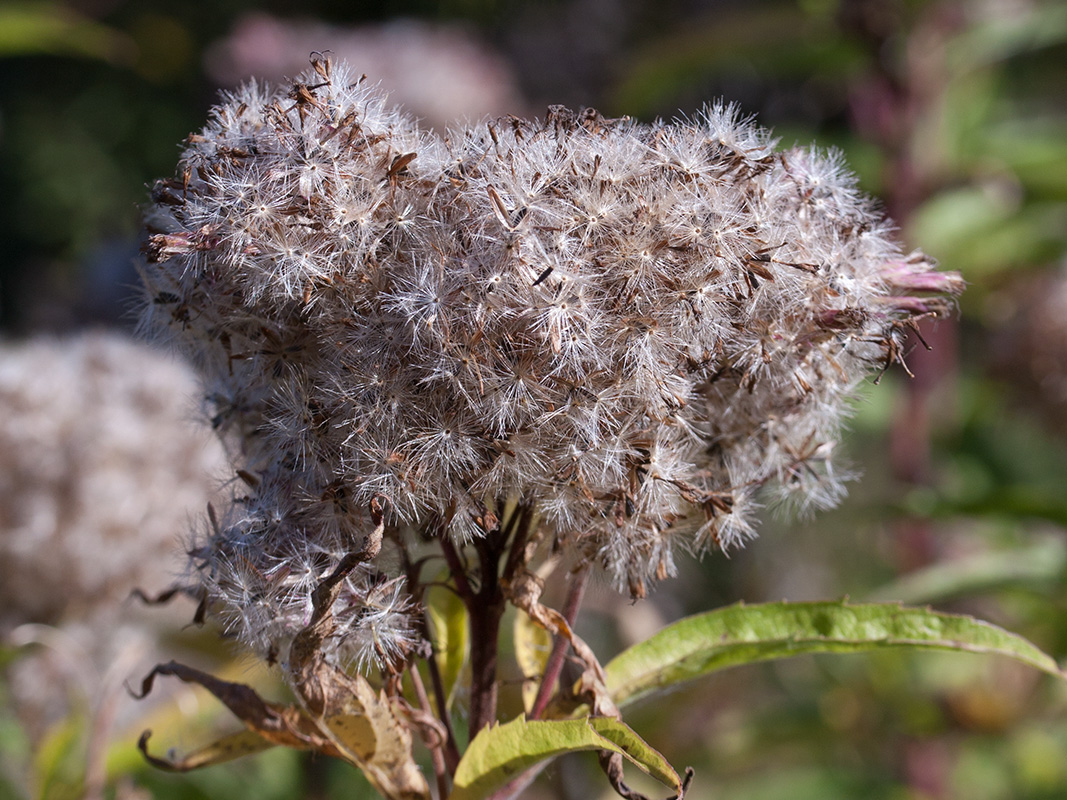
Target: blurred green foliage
951	110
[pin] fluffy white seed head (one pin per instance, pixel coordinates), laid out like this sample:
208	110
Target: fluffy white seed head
633	327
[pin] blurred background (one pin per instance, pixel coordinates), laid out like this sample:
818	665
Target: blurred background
953	112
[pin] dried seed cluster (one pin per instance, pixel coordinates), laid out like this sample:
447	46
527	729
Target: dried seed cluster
634	327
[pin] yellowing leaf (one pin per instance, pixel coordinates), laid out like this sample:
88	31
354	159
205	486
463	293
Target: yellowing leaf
355	732
370	735
533	644
449	635
500	753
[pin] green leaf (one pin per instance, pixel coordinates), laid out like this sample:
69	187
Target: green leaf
533	644
54	29
998	38
501	752
636	749
449	634
741	634
986	234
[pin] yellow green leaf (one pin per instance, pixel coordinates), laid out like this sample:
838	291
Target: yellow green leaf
636	749
449	635
500	753
33	28
532	647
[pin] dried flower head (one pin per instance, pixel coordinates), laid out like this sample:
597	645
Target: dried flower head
631	327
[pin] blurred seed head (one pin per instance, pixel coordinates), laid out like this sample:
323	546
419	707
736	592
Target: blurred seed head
103	465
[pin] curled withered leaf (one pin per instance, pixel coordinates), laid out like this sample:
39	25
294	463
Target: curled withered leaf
612	764
201	610
316	680
361	723
363	729
277	724
320	684
167	595
431	729
228	748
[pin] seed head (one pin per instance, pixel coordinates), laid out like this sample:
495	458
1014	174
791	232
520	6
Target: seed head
633	327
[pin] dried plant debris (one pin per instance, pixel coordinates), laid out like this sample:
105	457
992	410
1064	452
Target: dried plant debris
365	730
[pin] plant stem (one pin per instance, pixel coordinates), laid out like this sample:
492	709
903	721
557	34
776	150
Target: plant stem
450	748
485	629
436	753
485	606
485	610
457	569
554	665
416	587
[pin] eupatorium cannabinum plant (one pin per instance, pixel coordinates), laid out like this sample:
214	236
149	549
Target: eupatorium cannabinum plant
453	357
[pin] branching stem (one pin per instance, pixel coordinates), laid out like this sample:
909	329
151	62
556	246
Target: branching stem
437	755
554	665
486	604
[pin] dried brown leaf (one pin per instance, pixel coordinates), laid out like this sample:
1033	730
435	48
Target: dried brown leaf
277	724
372	735
228	748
